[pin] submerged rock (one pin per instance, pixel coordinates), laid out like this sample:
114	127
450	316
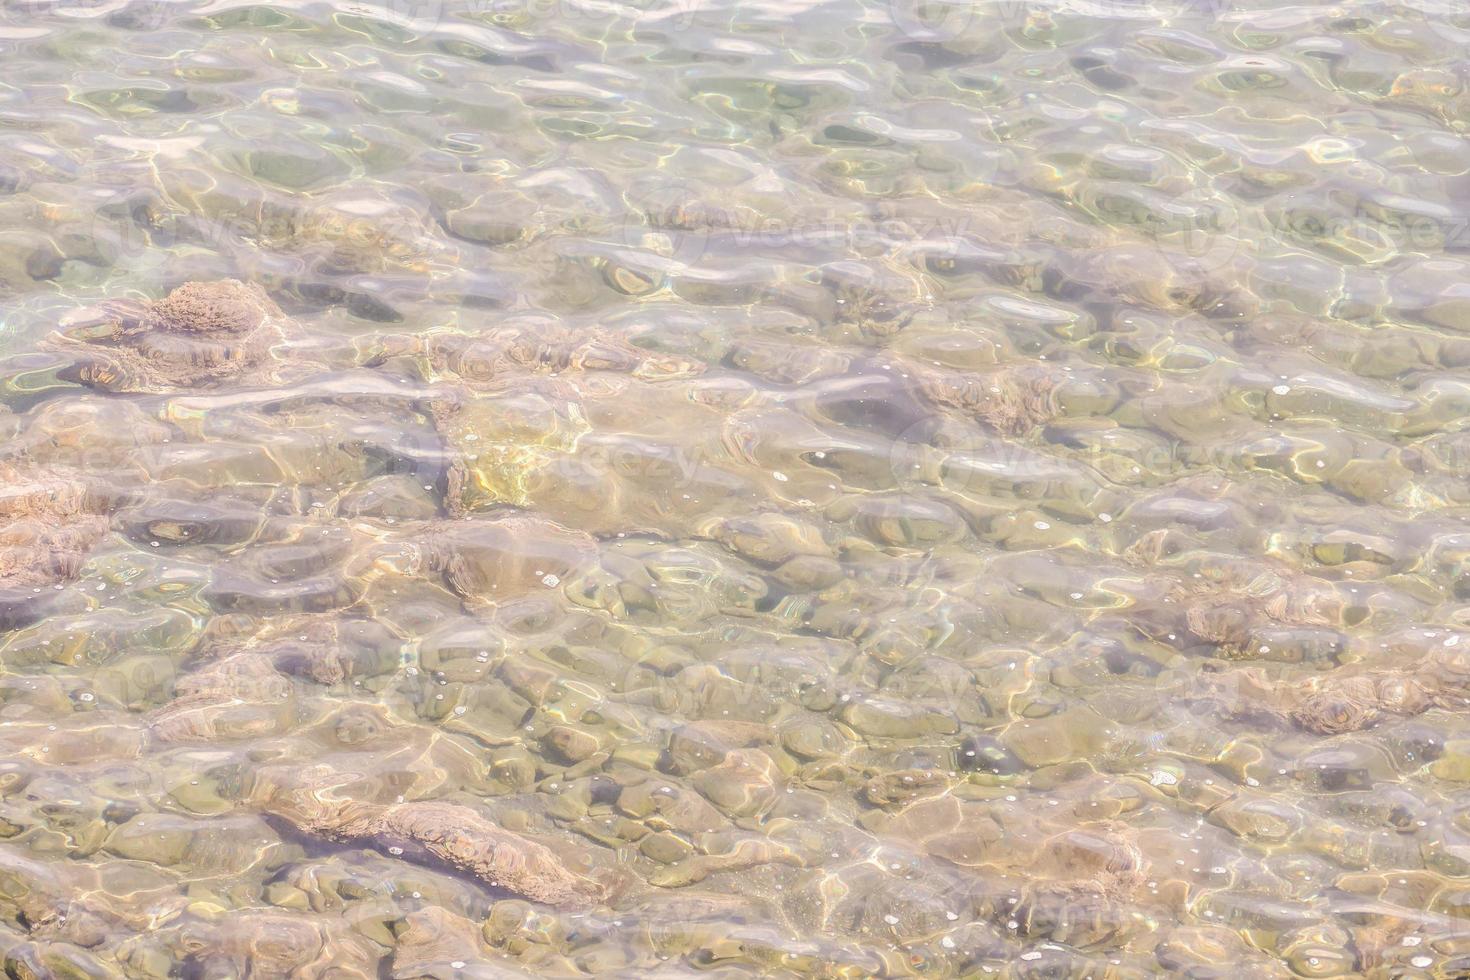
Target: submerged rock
452	833
201	334
1010	401
255	942
514	348
49	524
495	557
205	717
1356	703
499	442
434	942
1352	698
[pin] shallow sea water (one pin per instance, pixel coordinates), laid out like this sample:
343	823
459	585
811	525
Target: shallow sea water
744	489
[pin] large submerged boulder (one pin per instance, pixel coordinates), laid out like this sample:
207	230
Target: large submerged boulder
200	334
322	803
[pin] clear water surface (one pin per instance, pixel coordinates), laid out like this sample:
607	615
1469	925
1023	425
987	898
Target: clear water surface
859	488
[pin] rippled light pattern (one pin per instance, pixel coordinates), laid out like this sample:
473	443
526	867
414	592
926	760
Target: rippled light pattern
573	488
